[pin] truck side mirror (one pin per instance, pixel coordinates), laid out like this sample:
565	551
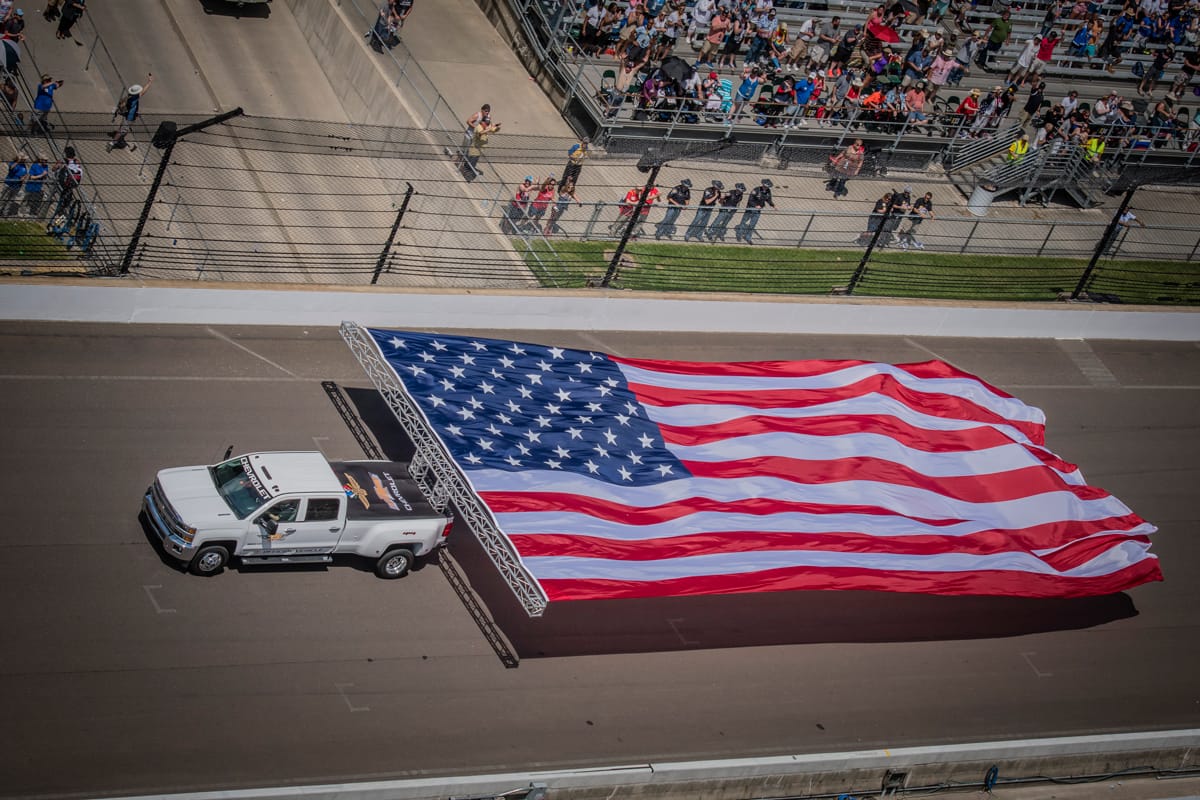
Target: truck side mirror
267	524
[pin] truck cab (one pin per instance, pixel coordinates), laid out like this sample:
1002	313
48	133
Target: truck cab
293	508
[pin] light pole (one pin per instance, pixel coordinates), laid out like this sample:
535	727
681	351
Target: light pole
652	163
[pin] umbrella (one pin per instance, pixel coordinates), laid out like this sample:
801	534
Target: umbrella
676	70
882	32
10	56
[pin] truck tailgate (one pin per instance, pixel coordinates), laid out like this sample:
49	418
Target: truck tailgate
381	489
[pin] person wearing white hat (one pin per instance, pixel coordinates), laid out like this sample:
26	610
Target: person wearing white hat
128	109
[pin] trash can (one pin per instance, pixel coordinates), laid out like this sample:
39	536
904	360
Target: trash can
981	199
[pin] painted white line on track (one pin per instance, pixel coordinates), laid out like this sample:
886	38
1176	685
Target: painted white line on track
917	345
599	345
154	600
1034	667
683	639
1089	363
243	347
341	687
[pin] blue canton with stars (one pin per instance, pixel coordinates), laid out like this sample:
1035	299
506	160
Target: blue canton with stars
512	406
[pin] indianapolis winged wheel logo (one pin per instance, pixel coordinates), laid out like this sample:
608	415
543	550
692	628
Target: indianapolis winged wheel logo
353	489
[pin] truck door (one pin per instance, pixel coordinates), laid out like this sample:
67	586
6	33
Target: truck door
302	527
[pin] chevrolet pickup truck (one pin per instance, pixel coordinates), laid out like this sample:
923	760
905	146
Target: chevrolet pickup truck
293	508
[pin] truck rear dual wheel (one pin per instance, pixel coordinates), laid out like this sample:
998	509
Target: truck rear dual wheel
394	564
209	561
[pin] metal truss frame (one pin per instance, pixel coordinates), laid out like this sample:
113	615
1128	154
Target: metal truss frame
439	477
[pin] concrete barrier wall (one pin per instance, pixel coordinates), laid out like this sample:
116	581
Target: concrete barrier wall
809	774
585	310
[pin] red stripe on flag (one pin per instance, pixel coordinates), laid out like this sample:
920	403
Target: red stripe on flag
929	403
996	487
993	582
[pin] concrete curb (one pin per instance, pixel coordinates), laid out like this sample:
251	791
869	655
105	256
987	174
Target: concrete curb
775	775
588	310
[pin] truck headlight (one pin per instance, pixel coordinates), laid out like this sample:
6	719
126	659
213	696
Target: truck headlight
188	534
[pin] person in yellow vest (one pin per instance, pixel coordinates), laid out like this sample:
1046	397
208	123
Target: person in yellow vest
1094	147
1018	149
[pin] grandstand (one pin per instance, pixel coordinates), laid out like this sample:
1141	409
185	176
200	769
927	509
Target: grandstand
1084	154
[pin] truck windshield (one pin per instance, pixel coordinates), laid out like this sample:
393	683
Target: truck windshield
236	487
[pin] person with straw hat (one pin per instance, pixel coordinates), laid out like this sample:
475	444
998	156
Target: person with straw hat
129	109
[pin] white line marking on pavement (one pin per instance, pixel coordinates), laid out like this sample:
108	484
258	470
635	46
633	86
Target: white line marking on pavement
925	349
341	687
600	345
154	601
1088	363
1033	666
675	628
243	347
317	441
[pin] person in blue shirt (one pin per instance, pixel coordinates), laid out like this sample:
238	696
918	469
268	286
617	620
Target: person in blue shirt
128	110
35	183
43	103
12	184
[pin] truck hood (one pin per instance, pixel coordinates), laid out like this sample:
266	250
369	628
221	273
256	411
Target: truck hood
191	492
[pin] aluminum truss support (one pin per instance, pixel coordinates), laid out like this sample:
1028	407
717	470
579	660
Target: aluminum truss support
436	474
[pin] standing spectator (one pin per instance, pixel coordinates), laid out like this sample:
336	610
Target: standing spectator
566	196
914	101
1034	104
576	154
828	37
702	16
11	95
875	218
625	211
1153	71
999	34
13	182
68	175
651	199
542	200
14	26
128	110
71	12
715	37
478	141
708	200
729	203
403	9
797	56
745	94
1187	71
677	199
846	165
514	215
43	103
51	12
386	32
939	71
35	183
1024	63
1126	221
759	196
764	29
922	209
484	115
1045	53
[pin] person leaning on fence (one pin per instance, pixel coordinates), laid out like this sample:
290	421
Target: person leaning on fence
479	141
43	103
729	204
922	209
875	218
566	196
68	175
514	215
128	110
35	184
576	155
759	196
542	200
708	201
845	165
677	199
13	182
1126	221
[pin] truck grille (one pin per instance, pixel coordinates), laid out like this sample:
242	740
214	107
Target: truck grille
165	512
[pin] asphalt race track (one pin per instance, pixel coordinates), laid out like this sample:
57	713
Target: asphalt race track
121	674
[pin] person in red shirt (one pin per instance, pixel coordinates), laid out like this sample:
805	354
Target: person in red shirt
628	205
966	111
1045	53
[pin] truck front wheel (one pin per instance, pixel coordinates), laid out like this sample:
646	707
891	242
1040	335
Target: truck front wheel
394	563
209	561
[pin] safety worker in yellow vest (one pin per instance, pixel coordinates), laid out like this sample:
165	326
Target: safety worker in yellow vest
1094	147
1018	149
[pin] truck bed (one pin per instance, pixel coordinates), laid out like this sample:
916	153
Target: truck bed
381	489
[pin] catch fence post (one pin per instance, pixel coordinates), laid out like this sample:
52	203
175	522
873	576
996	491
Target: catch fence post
387	247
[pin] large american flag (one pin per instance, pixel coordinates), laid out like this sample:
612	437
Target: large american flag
623	477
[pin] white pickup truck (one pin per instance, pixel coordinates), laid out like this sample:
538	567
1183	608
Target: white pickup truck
293	508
